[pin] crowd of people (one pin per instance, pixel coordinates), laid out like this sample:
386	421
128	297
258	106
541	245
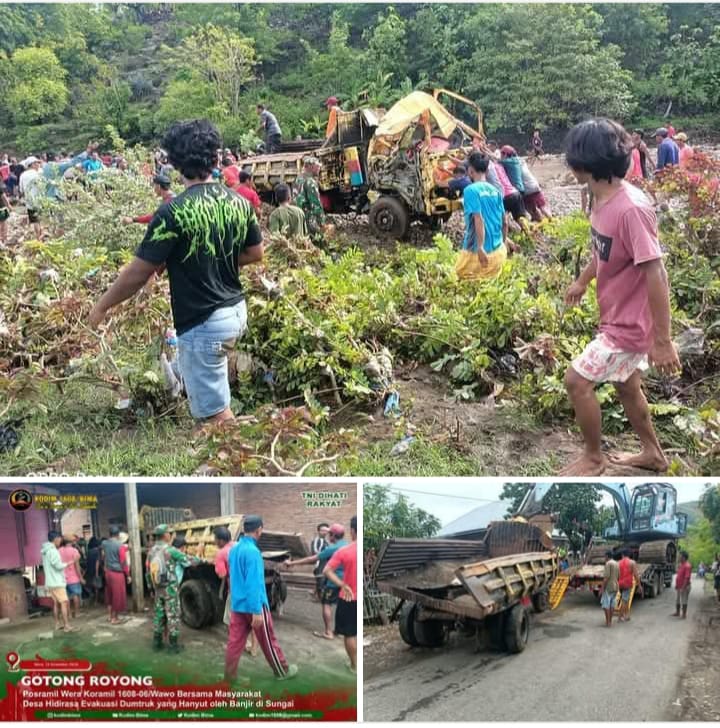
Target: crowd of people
77	570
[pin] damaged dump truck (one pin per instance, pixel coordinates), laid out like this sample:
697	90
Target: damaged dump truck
202	602
474	587
393	166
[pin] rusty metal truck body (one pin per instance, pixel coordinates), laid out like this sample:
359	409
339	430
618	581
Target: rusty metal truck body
469	585
405	156
202	602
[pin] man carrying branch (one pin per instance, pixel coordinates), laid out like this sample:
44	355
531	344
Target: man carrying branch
203	236
632	292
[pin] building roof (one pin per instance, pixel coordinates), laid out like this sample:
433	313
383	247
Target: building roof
476	520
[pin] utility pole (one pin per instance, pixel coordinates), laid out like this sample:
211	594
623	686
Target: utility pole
133	523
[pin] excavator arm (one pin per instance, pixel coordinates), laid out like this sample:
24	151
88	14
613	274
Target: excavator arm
532	503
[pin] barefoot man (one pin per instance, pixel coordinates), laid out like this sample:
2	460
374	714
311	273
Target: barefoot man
632	293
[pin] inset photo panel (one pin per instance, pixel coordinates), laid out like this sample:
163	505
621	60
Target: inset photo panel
600	599
178	601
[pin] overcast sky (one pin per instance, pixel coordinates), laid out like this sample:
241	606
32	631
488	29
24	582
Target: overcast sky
448	498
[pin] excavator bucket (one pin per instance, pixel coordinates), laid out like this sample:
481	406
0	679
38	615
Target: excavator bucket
557	590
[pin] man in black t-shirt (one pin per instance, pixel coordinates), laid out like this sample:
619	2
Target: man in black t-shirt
203	237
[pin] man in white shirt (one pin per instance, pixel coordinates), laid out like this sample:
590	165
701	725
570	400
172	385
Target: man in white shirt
31	191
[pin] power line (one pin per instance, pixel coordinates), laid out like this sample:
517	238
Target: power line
445	495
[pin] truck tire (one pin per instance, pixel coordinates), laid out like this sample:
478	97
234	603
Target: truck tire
431	633
652	588
517	629
389	217
661	584
406	623
196	607
541	601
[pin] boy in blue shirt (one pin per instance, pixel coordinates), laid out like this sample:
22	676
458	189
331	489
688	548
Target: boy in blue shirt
249	608
485	222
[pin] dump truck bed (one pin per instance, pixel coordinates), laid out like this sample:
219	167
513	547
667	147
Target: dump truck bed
472	579
274	545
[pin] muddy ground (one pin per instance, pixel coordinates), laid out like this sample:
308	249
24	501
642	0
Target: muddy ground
487	431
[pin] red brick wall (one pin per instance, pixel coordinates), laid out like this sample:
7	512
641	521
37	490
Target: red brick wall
283	507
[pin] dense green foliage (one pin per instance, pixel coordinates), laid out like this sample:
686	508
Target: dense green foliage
710	506
71	70
387	514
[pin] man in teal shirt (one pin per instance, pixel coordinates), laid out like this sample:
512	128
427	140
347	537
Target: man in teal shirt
485	223
329	592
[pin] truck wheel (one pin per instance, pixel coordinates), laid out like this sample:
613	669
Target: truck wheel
540	601
431	633
388	216
517	629
196	608
406	623
660	584
652	588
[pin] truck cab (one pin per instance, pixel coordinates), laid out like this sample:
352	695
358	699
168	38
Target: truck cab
654	511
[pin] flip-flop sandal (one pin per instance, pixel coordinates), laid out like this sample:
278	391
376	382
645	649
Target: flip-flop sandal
69	629
323	636
120	621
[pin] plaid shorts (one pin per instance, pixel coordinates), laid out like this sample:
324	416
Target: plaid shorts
601	361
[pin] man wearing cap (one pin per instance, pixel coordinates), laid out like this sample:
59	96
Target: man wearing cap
30	187
161	187
685	151
270	127
164	569
668	154
307	197
329	592
333	106
249	607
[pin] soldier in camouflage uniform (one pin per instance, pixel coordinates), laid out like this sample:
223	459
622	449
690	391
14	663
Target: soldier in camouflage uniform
307	198
166	585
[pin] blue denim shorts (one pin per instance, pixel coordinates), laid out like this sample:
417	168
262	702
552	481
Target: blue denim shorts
608	599
625	596
74	590
202	355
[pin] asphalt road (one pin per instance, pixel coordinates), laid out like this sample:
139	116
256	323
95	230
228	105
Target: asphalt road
573	668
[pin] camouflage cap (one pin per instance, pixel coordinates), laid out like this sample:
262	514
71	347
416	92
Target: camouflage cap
311	161
161	529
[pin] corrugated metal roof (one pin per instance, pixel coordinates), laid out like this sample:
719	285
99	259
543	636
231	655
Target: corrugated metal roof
477	519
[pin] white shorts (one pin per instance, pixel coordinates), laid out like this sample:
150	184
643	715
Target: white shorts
601	361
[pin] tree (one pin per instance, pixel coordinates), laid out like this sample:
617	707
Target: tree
385	517
37	89
221	58
554	76
186	99
574	505
710	506
387	51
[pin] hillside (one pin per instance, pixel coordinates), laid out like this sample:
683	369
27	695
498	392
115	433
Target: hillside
67	72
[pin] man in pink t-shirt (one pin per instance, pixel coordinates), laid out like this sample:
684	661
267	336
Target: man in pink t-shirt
346	610
633	298
73	577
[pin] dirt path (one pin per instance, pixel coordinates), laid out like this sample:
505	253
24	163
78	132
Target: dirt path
699	692
501	440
